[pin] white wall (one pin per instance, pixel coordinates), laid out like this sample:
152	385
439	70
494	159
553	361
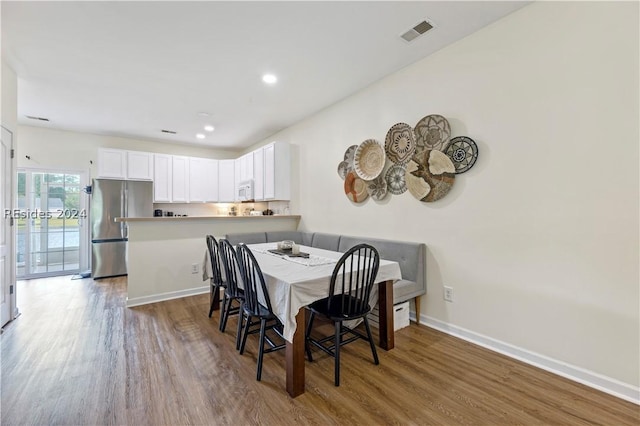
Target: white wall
540	239
9	106
162	253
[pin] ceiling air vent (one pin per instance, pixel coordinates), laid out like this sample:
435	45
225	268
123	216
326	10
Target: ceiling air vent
171	132
31	117
417	31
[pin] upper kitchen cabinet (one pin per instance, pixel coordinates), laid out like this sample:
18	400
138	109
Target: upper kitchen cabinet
162	178
277	171
112	163
211	181
243	170
226	181
121	164
258	174
237	177
139	165
180	179
203	180
246	167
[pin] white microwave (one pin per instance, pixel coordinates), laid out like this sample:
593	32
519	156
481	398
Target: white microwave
245	190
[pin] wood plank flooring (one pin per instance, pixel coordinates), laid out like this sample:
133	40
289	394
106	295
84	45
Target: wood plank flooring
77	355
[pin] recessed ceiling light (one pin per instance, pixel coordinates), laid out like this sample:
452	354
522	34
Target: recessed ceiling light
200	136
269	78
209	128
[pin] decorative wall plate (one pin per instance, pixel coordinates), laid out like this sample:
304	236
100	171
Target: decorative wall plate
369	159
377	188
463	152
430	175
355	188
395	178
343	169
349	154
400	143
432	132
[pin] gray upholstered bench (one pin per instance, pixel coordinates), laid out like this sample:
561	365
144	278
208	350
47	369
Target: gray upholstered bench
410	256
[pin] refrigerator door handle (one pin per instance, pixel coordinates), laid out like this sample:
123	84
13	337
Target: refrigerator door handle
123	204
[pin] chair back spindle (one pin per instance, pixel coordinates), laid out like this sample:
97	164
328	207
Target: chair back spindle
352	280
231	269
214	258
255	288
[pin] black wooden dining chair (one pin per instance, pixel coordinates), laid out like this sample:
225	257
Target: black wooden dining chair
349	289
233	291
216	280
257	307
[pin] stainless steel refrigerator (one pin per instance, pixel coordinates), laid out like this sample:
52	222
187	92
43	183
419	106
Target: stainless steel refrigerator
111	199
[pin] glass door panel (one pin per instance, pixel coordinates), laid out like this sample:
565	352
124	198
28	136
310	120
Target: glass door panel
21	226
51	224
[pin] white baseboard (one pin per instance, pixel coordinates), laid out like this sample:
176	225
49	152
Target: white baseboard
137	301
589	378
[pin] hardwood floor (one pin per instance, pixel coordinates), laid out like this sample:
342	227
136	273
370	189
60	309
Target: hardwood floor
77	355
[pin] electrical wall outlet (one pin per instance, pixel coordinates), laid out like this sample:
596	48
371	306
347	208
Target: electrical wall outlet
448	293
194	268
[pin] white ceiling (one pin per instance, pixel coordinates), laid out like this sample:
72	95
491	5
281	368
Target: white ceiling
134	68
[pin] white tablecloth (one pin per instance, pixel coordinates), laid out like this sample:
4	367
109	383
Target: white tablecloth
293	285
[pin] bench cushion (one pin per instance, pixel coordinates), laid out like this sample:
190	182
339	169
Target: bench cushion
326	241
410	256
302	238
247	238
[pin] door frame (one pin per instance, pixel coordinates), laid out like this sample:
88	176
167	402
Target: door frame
10	186
84	251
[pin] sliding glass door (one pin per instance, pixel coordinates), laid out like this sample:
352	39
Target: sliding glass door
51	231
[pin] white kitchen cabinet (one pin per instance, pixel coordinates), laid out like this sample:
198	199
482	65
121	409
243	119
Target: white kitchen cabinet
258	174
277	171
237	177
226	181
243	170
162	178
139	165
211	179
203	180
112	163
122	164
246	167
180	179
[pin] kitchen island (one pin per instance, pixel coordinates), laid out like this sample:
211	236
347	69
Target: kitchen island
166	254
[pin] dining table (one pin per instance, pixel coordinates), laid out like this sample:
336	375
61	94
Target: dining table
294	282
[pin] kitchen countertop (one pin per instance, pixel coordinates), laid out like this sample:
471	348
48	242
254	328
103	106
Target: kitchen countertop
181	218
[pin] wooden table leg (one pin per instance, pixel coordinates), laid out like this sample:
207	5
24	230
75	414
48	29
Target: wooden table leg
295	358
385	312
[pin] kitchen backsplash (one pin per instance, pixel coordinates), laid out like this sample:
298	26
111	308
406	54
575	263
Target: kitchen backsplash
221	209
